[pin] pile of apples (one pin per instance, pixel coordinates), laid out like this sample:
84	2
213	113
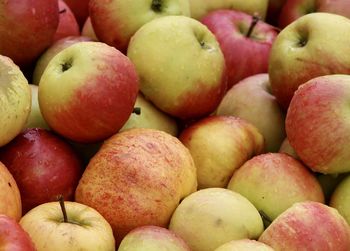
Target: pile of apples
175	125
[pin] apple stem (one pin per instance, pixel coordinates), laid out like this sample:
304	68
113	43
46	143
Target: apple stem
137	110
62	11
266	219
255	20
63	208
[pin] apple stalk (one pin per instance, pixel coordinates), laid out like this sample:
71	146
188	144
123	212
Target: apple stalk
63	208
255	20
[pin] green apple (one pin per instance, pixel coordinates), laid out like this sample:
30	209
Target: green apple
340	198
35	119
244	245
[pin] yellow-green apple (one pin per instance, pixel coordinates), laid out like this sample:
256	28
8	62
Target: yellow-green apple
13	237
67	25
273	11
137	178
180	65
43	166
219	145
80	9
150	117
261	108
293	9
15	100
288	149
88	30
54	49
317	125
151	238
35	119
200	8
340	198
306	49
244	245
27	28
88	91
266	179
244	41
308	226
76	227
115	22
10	197
211	217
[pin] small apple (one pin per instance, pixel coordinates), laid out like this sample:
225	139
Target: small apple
35	119
80	9
180	64
244	245
273	11
88	30
288	149
340	198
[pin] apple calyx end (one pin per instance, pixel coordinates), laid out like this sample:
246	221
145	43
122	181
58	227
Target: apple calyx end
255	20
156	5
137	110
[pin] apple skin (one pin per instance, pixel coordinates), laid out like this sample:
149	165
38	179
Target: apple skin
308	226
211	217
293	9
115	22
23	41
13	237
273	11
80	9
35	119
90	86
244	245
15	100
137	178
199	8
150	238
293	54
261	109
219	145
54	49
340	198
88	30
244	56
317	126
67	25
86	229
266	179
185	74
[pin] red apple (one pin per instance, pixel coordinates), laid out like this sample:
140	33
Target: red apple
245	44
88	30
273	11
27	28
43	166
80	9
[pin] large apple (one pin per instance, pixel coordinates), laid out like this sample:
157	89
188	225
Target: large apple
199	8
15	100
244	41
293	9
27	28
260	109
138	177
317	123
76	227
211	217
151	238
219	145
308	226
180	65
35	119
88	91
314	45
266	179
115	22
244	245
13	237
340	198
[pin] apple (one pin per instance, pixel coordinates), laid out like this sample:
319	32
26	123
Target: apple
74	227
88	30
244	245
317	124
308	226
199	8
88	91
27	28
244	41
288	149
274	10
150	117
35	119
340	198
115	22
293	9
273	182
181	67
10	196
137	178
151	238
329	182
80	9
15	100
13	237
211	217
261	108
54	49
43	166
306	49
219	145
67	25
